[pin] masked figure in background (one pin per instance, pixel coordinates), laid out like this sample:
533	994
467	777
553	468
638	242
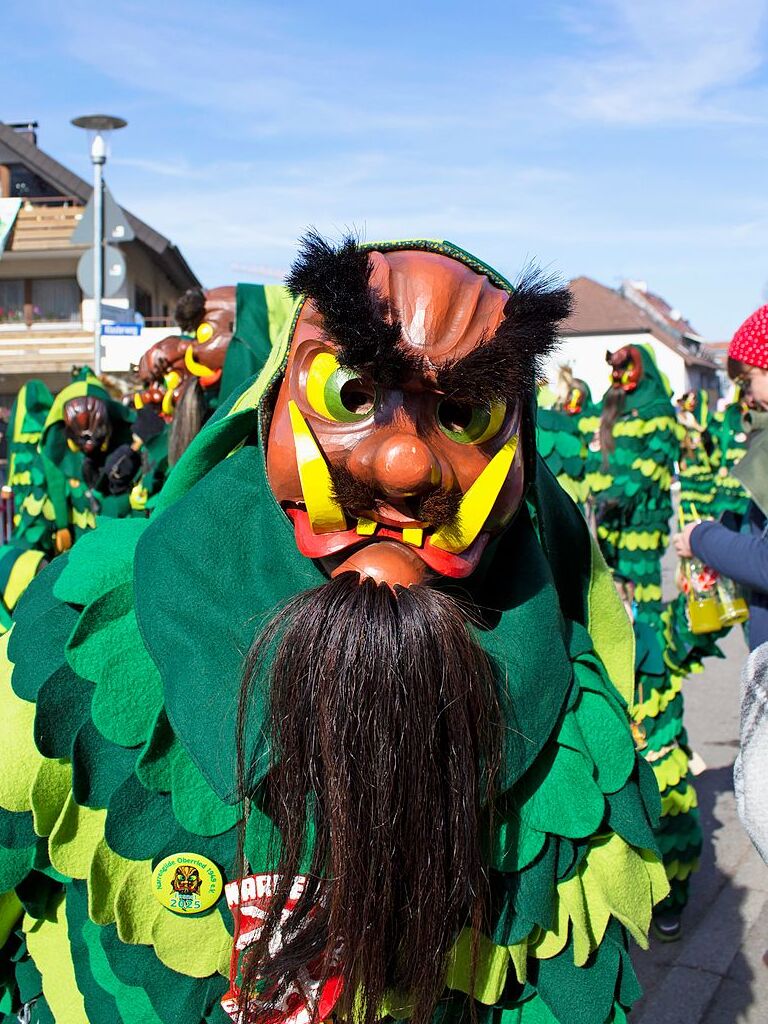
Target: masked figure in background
697	483
20	557
730	437
410	677
227	333
560	438
89	459
25	428
630	472
661	738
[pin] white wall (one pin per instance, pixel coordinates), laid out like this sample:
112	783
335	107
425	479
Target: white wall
586	357
118	353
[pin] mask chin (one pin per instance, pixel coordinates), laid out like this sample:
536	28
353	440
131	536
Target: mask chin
385	562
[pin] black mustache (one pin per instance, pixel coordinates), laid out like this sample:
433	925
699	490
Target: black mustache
438	508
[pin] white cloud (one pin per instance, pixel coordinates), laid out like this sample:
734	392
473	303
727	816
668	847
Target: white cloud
665	61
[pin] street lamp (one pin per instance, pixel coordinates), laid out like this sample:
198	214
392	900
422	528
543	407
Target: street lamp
99	125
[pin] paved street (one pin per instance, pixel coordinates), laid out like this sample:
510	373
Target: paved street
715	974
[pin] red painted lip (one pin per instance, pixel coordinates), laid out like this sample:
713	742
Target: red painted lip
321	545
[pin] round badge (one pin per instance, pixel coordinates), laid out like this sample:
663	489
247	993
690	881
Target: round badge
186	883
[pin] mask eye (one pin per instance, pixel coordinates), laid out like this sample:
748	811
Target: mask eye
337	393
204	332
470	424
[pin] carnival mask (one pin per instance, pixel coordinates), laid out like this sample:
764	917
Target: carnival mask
575	401
187	879
204	358
626	368
396	445
86	424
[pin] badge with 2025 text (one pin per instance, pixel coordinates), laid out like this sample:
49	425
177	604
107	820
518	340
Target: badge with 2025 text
186	883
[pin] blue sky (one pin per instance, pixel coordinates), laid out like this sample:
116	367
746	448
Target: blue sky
611	138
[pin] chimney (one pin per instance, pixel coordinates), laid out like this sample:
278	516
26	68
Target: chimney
26	129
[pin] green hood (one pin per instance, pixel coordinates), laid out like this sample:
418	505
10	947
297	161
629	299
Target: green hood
652	396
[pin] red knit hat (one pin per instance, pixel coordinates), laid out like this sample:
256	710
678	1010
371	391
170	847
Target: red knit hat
750	342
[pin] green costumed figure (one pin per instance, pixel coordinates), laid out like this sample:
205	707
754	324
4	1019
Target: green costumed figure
390	666
660	735
227	333
88	459
25	428
697	465
20	558
730	446
560	438
631	461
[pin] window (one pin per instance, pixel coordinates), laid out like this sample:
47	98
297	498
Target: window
26	183
143	302
55	298
11	302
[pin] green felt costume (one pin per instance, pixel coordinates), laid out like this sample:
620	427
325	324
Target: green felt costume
59	497
697	470
262	313
730	445
562	443
18	566
25	469
658	711
154	470
120	692
632	488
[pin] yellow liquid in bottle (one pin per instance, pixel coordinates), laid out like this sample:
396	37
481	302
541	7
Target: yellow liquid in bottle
704	615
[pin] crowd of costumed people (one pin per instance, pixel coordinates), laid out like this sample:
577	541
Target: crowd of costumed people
337	677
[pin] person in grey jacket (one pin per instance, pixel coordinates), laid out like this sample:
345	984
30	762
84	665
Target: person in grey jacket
743	557
750	773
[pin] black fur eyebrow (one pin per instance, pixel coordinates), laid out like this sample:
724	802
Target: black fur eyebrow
507	365
358	322
337	279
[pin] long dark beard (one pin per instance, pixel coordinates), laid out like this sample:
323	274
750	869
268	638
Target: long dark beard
613	406
386	741
188	419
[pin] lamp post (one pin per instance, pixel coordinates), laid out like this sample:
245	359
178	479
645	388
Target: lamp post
99	125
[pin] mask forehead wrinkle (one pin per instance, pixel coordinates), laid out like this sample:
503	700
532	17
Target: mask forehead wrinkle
445	308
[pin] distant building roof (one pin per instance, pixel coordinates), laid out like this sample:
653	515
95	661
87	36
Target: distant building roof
718	350
637	292
165	252
632	310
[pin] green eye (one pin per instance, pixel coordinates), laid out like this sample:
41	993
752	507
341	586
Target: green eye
470	424
337	393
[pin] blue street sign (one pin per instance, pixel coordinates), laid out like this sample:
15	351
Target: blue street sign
122	330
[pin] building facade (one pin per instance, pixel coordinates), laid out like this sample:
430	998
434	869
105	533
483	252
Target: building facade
46	323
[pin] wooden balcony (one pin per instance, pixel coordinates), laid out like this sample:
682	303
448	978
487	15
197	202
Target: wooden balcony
45	224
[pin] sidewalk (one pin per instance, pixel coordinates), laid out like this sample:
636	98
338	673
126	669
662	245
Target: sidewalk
715	974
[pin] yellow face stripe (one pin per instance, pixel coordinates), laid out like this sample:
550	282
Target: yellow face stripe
194	367
477	503
325	513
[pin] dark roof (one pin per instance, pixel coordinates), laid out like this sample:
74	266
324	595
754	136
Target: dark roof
660	307
598	309
166	254
601	310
